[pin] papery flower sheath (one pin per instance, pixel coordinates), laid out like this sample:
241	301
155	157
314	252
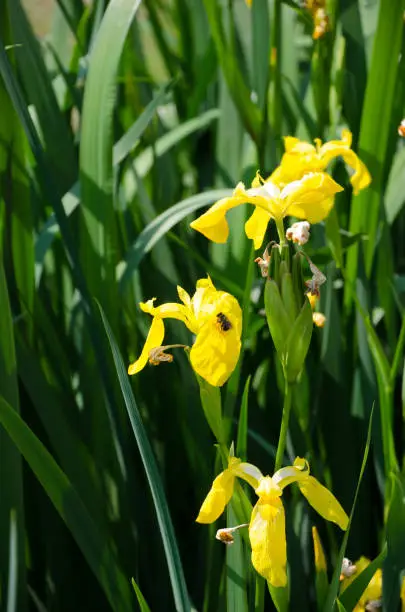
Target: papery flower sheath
215	318
301	157
267	522
309	198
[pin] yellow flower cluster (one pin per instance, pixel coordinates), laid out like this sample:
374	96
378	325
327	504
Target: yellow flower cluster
267	522
215	318
299	187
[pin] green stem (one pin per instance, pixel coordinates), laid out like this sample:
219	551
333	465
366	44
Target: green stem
259	594
284	426
280	232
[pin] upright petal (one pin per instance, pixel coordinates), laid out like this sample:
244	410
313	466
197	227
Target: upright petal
267	537
323	501
217	498
154	339
311	198
213	224
256	226
361	177
172	310
299	158
184	296
287	475
205	293
298	147
248	472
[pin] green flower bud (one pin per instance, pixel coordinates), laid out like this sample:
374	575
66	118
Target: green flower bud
288	311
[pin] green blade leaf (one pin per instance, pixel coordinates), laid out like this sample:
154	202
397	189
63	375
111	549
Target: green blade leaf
143	606
159	499
160	226
11	477
241	442
354	591
236	599
98	228
97	551
373	143
395	560
334	584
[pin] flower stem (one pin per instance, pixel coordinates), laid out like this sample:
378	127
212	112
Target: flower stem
280	232
284	426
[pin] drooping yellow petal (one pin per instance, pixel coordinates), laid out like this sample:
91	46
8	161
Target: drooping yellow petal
216	351
154	339
213	224
256	226
323	501
268	541
217	498
310	198
361	177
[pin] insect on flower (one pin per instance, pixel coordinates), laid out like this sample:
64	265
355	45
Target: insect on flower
224	322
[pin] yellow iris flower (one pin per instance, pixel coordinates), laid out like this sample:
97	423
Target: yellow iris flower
215	318
301	157
310	198
267	523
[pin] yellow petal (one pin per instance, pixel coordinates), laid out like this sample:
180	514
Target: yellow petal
248	472
154	339
217	498
205	294
216	351
148	306
323	501
287	475
299	159
361	177
256	226
184	296
298	147
267	537
310	198
172	310
213	224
